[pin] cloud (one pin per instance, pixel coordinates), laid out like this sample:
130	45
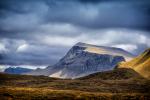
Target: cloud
29	53
127	47
3	48
22	48
40	32
103	15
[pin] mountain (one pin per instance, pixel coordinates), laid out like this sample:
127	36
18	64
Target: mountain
84	59
140	64
17	70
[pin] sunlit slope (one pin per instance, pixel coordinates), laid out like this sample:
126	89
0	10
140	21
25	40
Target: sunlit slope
106	50
140	64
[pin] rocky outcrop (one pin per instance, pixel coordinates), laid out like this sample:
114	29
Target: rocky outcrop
79	63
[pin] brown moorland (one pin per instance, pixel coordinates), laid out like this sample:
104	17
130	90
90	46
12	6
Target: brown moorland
117	84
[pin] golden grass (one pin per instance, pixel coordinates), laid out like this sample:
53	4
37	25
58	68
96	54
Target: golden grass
140	64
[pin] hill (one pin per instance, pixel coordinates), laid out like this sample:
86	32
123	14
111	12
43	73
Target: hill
140	64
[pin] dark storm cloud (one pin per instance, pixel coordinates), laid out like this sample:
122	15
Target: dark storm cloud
106	14
101	15
34	31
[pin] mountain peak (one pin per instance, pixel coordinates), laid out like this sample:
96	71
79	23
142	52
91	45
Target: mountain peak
81	44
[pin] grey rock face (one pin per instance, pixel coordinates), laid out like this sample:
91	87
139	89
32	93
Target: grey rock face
78	62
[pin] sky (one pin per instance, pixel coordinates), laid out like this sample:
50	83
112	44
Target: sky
40	32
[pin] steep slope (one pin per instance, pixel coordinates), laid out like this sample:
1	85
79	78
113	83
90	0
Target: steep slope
83	64
140	64
84	59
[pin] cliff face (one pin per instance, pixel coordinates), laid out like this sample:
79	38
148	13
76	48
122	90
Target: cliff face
79	62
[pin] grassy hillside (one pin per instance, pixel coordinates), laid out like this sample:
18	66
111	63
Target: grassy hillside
97	86
140	64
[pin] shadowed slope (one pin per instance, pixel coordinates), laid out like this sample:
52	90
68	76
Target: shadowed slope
116	74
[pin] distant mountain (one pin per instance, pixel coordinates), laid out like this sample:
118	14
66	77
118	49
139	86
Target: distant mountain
17	70
140	64
84	59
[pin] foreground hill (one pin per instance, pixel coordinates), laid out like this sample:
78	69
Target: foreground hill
119	84
116	74
84	59
140	64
